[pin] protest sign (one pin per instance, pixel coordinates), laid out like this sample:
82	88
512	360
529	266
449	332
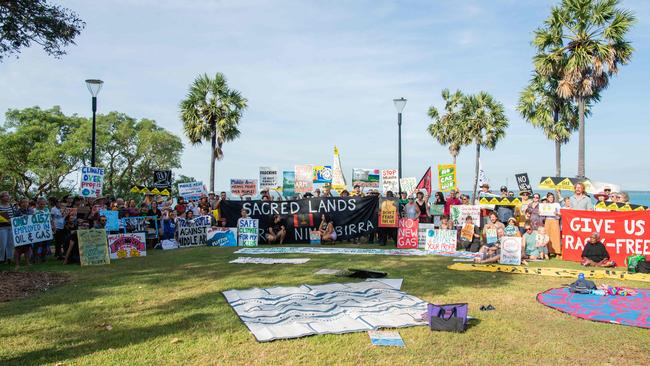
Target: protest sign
193	232
499	201
388	212
29	229
491	235
352	216
338	179
523	183
441	240
162	179
127	245
112	219
248	232
288	180
191	190
221	237
268	178
561	183
547	209
467	232
511	250
389	180
303	180
314	237
423	230
93	248
425	182
458	214
407	234
365	177
92	180
135	224
243	187
623	233
322	174
447	177
408	185
437	210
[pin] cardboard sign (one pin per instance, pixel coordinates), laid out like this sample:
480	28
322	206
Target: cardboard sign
92	180
511	250
303	180
365	177
243	187
389	180
458	214
268	178
623	233
441	240
467	232
112	219
191	190
322	174
93	248
547	209
248	232
162	179
447	177
407	234
193	232
423	231
408	185
127	245
388	212
31	229
221	237
523	182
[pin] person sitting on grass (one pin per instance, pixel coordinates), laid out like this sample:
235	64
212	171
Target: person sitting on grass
470	238
531	250
595	254
491	253
326	228
277	231
512	229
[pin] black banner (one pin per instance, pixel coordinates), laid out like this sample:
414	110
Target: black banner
352	216
162	179
523	182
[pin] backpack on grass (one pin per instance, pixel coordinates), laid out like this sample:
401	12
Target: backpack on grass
643	267
632	261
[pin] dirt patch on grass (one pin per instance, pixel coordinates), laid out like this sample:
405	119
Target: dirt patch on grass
17	285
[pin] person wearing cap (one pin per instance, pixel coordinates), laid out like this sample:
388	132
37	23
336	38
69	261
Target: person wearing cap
511	228
504	213
212	200
520	211
485	190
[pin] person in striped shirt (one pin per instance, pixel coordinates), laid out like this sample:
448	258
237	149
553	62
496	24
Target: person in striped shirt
6	238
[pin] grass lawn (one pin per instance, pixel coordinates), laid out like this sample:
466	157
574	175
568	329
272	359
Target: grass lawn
167	308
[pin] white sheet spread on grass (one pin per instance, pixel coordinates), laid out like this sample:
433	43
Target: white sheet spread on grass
362	251
292	312
255	260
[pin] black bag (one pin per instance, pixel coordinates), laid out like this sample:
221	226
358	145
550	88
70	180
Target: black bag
643	267
582	287
451	323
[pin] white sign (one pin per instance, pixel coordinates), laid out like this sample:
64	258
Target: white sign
441	240
408	185
92	180
193	232
389	181
268	178
547	209
248	232
460	212
191	190
510	250
30	229
422	234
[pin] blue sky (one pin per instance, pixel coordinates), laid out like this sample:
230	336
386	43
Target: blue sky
324	73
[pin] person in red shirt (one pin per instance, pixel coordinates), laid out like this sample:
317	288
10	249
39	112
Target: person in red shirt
452	200
180	206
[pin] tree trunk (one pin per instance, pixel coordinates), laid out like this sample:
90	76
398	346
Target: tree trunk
581	137
453	158
478	156
213	156
558	146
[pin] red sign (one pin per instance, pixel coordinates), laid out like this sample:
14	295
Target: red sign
407	234
623	233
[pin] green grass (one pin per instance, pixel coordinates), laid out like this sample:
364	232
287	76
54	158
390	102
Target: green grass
167	308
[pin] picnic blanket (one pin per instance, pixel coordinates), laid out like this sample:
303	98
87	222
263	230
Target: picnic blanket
353	251
292	312
625	310
553	272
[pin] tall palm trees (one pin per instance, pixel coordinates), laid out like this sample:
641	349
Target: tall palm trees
590	36
211	111
478	119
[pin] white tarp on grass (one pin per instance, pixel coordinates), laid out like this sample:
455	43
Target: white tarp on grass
256	260
292	312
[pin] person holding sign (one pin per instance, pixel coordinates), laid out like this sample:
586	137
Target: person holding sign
470	240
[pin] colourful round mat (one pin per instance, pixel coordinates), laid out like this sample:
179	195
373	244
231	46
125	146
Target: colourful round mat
626	310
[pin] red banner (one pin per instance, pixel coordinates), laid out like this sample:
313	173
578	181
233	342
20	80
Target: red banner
407	234
623	233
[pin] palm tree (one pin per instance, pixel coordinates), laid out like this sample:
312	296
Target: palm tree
484	123
540	105
212	111
447	130
590	35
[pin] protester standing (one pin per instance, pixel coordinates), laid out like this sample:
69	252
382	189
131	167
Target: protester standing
552	225
423	207
533	209
580	201
452	200
6	237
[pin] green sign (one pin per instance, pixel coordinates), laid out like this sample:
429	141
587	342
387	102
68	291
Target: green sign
447	177
93	247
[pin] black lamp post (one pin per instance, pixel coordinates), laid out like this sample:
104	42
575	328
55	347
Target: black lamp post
94	86
399	105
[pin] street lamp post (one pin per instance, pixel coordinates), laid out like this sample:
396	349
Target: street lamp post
94	86
399	106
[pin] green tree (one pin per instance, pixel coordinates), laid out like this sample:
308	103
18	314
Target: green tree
448	128
25	21
484	123
541	106
590	36
211	111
